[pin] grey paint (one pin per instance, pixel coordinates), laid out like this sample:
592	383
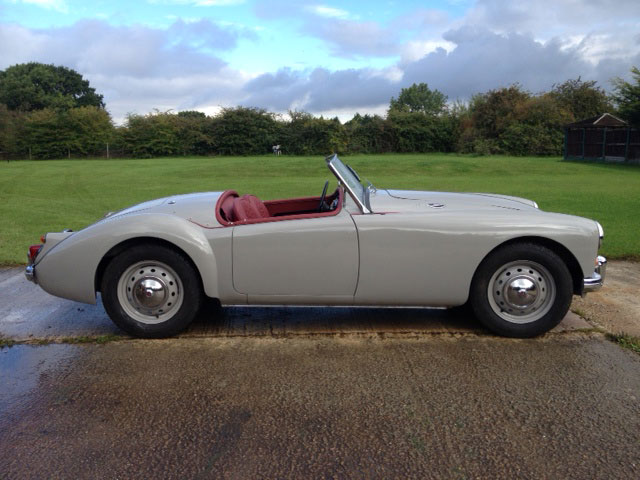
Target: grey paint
416	248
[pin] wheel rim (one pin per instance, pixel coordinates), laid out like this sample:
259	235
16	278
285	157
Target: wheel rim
521	292
150	292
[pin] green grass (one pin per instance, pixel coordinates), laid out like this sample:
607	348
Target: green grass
626	341
41	196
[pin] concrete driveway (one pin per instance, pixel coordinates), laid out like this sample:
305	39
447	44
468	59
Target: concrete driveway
28	314
311	393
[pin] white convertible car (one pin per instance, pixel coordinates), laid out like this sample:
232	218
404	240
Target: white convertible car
156	263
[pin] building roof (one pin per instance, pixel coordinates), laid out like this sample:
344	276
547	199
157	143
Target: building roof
604	120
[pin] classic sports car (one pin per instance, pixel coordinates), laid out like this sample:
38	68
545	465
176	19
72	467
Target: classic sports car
156	263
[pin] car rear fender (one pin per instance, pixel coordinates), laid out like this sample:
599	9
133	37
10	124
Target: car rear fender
69	269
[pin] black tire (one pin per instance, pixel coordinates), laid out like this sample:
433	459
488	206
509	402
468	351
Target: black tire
463	310
159	297
531	290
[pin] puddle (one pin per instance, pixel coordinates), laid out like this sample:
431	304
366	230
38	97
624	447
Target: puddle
21	368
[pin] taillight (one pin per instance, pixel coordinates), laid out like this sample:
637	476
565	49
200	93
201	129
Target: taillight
43	238
33	251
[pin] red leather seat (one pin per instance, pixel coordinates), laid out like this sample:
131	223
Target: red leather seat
249	207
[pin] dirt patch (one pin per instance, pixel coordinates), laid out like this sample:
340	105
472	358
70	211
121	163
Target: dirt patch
616	307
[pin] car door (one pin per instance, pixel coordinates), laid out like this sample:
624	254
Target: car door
312	259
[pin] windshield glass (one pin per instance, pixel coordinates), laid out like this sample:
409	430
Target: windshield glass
349	178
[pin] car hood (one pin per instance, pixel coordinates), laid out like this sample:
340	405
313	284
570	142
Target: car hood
386	201
196	207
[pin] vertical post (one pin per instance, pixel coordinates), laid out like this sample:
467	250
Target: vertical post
107	150
604	143
584	135
68	153
566	142
626	145
29	153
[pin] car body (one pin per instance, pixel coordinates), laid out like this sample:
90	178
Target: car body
355	246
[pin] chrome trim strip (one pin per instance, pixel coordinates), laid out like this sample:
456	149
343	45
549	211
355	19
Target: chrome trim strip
600	234
595	282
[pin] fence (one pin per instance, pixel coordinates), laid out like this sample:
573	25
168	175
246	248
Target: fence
608	144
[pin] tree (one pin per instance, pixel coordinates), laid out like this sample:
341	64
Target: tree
582	99
490	115
89	129
152	135
244	131
627	97
419	98
368	134
49	133
10	123
537	127
35	86
309	135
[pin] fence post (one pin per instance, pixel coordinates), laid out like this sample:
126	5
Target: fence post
107	150
604	143
626	145
584	136
566	142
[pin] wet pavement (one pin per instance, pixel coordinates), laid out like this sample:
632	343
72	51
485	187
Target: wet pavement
295	392
443	406
27	313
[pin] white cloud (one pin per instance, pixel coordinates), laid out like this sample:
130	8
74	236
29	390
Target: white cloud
136	68
217	3
327	12
496	43
59	5
414	50
198	3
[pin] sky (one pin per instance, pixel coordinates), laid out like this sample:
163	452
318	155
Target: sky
331	58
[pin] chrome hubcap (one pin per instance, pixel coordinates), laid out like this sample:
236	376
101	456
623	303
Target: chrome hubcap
521	291
150	292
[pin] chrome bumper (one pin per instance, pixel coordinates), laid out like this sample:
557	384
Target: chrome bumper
30	273
596	281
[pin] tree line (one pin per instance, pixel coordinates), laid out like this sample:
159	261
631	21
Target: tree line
52	112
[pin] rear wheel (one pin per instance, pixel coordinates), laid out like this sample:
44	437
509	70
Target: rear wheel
151	291
521	290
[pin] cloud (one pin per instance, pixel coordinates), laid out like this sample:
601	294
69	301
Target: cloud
495	43
345	37
484	60
137	68
348	38
605	28
59	5
198	3
319	90
328	12
476	60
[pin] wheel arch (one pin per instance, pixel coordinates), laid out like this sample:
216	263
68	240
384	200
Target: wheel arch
556	247
131	242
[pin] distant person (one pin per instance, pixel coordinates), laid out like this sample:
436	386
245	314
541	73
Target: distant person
276	149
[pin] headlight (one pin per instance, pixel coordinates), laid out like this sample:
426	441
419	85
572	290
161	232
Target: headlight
535	204
600	234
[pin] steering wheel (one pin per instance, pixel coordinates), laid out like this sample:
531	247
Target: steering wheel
322	206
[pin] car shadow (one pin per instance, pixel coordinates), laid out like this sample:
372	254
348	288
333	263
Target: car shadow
297	320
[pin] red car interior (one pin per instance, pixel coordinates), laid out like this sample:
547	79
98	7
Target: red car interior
233	209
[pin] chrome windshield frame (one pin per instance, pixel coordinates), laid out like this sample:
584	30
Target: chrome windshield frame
360	202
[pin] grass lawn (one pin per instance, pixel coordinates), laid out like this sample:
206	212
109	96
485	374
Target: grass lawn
41	196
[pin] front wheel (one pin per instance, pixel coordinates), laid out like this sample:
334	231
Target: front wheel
521	290
151	291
